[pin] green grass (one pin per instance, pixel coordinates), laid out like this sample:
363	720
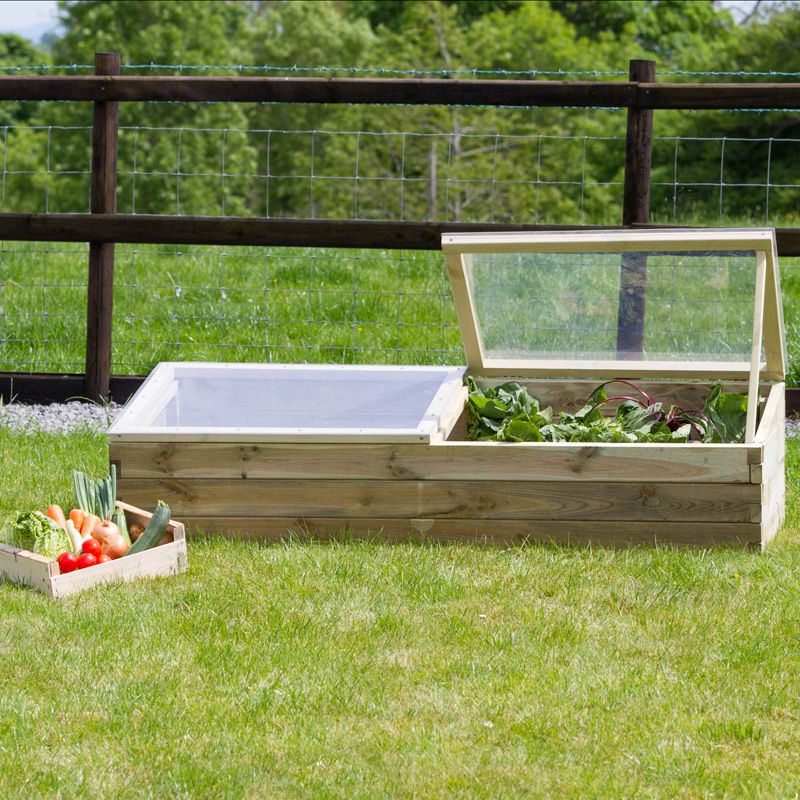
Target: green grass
371	670
234	304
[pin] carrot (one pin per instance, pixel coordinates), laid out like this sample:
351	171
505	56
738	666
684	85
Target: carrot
88	524
77	515
56	513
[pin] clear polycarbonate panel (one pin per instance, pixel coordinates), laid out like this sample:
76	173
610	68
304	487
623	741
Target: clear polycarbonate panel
290	399
694	306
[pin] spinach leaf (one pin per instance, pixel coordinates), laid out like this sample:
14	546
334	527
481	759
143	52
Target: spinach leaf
509	413
728	415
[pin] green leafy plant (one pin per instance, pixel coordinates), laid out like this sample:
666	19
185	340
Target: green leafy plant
509	413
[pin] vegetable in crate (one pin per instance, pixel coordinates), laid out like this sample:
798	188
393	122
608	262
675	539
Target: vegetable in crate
136	530
99	499
37	533
727	414
154	531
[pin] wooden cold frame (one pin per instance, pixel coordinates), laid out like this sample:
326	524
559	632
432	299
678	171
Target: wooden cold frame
457	490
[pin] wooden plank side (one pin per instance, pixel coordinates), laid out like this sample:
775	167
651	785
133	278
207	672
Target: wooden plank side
774	449
756	343
162	561
774	328
571	394
371	234
100	291
502	532
450	460
458	499
774	414
415	91
27	569
635	209
771	527
631	370
238	89
773	489
451	414
457	266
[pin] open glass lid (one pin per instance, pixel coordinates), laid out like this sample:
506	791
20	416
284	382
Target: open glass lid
289	402
628	304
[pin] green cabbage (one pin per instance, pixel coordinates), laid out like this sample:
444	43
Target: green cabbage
35	532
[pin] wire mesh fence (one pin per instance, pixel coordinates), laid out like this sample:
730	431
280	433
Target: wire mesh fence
488	176
273	304
228	304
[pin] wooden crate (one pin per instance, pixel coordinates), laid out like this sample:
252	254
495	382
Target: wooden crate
30	569
452	489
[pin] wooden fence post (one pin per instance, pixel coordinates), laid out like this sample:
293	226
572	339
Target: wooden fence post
635	209
99	301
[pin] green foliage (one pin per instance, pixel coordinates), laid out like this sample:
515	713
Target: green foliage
15	51
469	177
449	166
728	414
177	171
509	413
33	531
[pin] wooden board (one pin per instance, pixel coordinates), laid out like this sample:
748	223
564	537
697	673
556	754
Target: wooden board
163	561
468	499
25	568
571	394
453	460
259	231
502	532
773	490
414	91
37	572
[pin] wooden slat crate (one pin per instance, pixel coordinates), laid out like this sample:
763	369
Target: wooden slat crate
30	569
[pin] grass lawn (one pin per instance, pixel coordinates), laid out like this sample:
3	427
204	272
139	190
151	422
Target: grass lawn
370	670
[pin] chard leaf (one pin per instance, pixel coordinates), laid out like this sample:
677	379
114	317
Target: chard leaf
509	413
728	414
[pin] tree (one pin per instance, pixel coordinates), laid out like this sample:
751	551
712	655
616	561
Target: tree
171	157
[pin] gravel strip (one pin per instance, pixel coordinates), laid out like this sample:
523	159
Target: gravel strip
58	417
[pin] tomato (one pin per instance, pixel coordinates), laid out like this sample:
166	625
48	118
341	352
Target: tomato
92	546
67	562
103	558
87	560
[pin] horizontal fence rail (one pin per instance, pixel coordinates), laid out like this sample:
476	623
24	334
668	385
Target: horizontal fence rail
103	228
283	232
403	91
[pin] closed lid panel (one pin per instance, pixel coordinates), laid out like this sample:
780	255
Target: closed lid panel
296	400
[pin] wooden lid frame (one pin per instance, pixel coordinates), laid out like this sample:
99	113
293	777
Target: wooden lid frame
767	315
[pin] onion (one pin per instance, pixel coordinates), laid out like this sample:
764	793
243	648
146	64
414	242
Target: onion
104	529
135	531
165	539
114	545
